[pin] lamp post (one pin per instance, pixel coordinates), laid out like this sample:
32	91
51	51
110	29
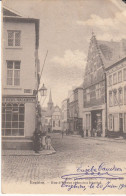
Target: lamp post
43	92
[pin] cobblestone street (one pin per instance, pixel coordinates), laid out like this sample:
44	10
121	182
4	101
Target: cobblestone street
69	151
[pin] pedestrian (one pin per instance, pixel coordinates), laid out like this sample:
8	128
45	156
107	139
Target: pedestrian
44	141
48	142
62	133
36	140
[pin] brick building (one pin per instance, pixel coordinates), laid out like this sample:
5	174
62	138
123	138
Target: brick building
101	54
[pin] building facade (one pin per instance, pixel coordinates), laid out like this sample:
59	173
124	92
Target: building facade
20	76
101	54
47	115
56	120
116	98
76	111
65	114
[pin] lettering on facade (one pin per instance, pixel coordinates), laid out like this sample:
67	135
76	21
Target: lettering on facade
16	99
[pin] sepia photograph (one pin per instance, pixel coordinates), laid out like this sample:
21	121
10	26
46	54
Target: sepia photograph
63	99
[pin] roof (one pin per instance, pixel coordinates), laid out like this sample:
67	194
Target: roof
9	12
111	51
116	63
12	16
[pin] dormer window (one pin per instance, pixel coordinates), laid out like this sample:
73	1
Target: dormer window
14	38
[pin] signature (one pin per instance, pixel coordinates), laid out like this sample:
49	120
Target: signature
70	181
100	172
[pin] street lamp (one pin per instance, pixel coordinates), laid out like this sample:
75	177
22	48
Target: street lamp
43	91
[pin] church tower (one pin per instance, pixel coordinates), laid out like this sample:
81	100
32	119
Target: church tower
50	103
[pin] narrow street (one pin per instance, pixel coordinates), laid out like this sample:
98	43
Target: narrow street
71	151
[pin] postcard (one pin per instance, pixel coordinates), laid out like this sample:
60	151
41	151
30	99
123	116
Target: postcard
63	103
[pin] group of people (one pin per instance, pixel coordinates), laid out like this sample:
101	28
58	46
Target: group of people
41	141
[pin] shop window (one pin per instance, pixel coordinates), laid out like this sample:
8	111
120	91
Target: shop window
120	96
120	76
13	73
14	38
115	78
110	98
13	119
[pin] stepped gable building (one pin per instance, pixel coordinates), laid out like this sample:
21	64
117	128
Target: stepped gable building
20	76
101	54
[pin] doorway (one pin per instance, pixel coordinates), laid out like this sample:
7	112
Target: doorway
121	124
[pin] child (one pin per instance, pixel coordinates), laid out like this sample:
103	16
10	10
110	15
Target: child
48	142
44	141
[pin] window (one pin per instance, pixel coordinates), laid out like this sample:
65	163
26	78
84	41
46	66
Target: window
88	94
98	91
53	123
13	119
110	98
115	101
115	122
124	74
110	80
120	96
14	38
110	121
114	78
120	76
125	95
13	73
59	123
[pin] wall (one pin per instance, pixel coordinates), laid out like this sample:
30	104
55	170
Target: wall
29	119
25	54
119	108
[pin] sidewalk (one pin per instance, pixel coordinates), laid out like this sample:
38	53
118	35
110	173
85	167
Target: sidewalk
27	152
118	140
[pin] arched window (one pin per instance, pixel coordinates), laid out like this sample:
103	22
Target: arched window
13	119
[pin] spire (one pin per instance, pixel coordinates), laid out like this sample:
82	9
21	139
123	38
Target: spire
50	103
50	97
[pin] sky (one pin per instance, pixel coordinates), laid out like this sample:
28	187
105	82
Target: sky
65	30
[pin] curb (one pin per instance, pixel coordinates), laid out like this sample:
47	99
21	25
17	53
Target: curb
27	152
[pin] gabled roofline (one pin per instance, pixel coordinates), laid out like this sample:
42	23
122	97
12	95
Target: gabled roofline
13	11
116	63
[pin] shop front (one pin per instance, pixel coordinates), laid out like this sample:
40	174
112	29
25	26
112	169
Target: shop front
18	122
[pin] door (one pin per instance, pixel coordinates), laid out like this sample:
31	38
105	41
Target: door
121	124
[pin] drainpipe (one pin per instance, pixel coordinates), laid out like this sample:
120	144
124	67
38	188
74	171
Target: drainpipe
106	119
